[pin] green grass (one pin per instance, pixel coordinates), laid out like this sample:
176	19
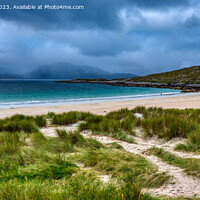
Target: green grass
168	123
120	114
18	123
9	143
121	124
192	144
172	123
118	135
41	172
40	121
190	165
82	185
65	142
190	75
121	165
109	126
68	118
114	145
163	123
76	139
33	166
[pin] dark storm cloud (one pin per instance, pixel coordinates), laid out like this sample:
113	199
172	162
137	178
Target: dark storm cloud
160	3
139	36
95	43
101	14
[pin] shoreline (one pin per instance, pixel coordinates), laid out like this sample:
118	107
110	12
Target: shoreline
185	87
46	103
180	101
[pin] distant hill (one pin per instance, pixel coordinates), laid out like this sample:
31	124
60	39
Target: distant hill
9	76
70	71
187	80
190	75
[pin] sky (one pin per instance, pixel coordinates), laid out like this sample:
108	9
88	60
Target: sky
135	36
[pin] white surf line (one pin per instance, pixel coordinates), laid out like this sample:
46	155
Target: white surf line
183	185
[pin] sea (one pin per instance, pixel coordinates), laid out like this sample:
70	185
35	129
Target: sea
32	93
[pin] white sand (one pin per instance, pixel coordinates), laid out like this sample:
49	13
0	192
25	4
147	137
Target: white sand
181	102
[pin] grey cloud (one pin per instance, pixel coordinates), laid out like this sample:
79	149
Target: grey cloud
161	3
193	22
94	43
153	36
100	14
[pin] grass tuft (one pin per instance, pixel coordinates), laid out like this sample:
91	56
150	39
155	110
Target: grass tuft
119	164
68	118
190	165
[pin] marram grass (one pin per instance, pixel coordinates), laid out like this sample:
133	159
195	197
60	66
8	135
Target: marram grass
33	166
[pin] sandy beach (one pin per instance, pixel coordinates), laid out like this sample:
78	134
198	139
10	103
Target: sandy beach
181	101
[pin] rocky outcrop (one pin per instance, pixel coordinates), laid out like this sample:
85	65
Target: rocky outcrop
127	83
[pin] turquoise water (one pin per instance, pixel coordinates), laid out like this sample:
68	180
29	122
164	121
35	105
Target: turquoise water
19	93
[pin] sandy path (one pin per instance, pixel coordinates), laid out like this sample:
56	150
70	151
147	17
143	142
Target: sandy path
51	131
166	145
182	185
183	101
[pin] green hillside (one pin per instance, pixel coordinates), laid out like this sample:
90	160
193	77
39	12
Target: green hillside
186	75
